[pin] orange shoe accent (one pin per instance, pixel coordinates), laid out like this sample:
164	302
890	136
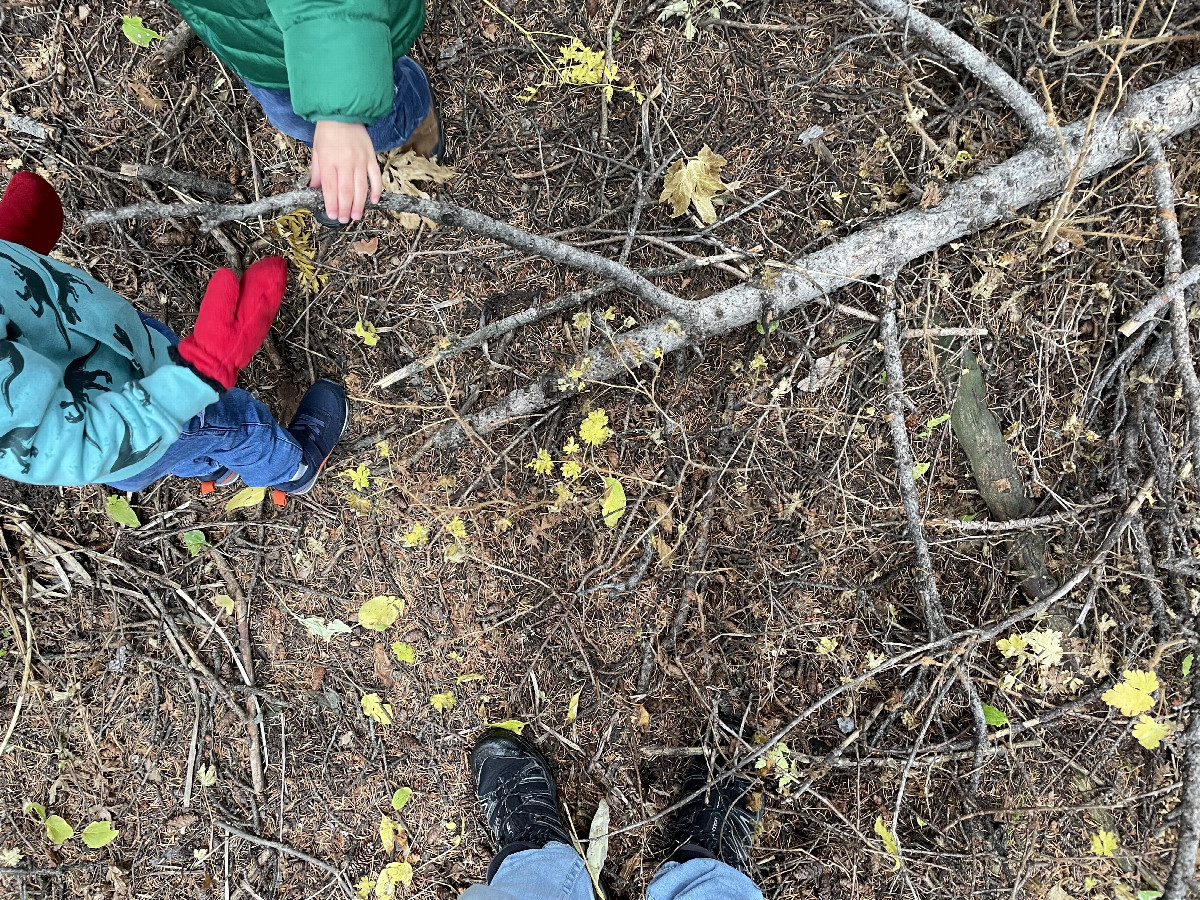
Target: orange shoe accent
278	497
207	487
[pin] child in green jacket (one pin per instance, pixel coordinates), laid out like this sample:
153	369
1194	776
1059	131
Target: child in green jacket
331	73
93	391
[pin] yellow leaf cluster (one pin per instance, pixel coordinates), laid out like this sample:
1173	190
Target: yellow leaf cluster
580	65
542	464
444	701
360	478
417	536
392	877
1132	695
695	181
296	231
594	429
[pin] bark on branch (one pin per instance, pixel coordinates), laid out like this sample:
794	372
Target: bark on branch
1028	110
1031	176
214	214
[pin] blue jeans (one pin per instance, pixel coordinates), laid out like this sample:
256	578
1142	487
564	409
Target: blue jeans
237	432
411	102
557	872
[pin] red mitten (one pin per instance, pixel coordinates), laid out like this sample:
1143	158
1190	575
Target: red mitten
234	319
31	213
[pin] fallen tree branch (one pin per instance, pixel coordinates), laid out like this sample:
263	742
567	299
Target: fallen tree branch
1175	289
170	48
213	214
1028	110
185	181
931	601
979	202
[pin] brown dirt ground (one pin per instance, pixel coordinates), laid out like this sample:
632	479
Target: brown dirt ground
806	542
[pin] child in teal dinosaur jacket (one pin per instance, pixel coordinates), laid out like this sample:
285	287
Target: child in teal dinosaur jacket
92	391
334	74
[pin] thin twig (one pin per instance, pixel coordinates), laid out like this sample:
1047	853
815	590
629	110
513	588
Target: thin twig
290	851
1028	110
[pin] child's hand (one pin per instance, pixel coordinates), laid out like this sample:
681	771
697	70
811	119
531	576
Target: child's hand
345	168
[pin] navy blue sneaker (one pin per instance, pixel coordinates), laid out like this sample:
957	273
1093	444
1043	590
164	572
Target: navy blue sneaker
317	426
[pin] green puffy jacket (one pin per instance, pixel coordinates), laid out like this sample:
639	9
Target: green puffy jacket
335	56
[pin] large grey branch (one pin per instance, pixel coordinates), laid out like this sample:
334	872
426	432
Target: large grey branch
213	214
1033	175
943	39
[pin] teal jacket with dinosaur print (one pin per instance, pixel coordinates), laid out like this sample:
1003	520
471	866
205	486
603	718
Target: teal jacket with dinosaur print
88	393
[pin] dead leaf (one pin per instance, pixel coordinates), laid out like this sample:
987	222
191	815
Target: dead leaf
489	31
383	668
641	716
694	182
365	248
931	196
317	679
401	171
145	98
1003	485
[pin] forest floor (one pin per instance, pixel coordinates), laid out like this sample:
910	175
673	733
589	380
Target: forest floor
762	561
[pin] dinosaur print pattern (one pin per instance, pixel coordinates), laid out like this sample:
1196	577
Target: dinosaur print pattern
78	380
66	280
126	455
11	355
36	294
19	442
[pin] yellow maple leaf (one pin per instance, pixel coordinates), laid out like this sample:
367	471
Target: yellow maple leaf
1150	732
695	181
1132	695
1104	843
542	464
374	707
417	536
443	702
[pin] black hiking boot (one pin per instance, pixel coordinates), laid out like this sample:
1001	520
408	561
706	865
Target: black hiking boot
317	425
520	798
720	822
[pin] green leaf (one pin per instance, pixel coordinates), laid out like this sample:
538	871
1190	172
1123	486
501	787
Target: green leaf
401	798
34	809
404	652
120	511
937	420
319	628
516	726
139	34
612	504
1148	895
1187	665
378	613
99	834
246	497
919	469
58	830
195	541
994	717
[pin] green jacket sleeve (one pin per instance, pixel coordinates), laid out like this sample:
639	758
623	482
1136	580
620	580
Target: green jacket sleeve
339	57
46	438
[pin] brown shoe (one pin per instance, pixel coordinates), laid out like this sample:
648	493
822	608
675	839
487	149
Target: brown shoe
427	140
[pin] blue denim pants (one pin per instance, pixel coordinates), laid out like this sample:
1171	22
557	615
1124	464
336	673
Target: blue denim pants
411	102
557	872
237	432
